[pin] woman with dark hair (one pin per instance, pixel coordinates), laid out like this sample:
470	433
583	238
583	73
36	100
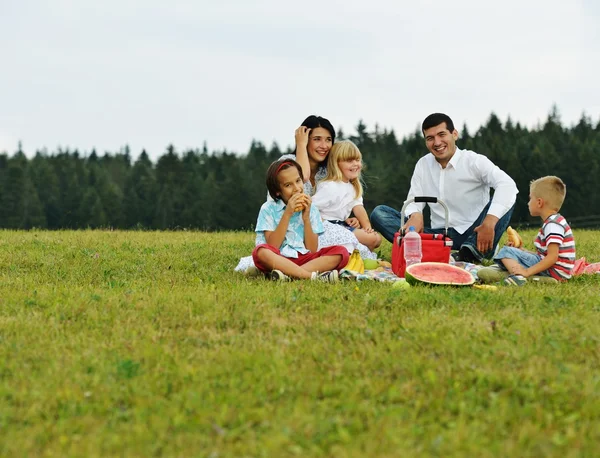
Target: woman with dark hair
314	139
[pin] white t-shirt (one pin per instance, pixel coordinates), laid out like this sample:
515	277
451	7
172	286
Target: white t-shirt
464	186
335	200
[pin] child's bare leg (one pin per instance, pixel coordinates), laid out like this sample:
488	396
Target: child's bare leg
371	240
276	261
512	265
322	264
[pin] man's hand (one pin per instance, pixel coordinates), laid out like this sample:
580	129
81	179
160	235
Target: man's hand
485	234
416	220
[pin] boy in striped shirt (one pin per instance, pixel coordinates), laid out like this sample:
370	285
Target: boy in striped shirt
555	245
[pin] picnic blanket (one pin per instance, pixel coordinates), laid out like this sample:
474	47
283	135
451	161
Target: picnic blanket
386	274
379	274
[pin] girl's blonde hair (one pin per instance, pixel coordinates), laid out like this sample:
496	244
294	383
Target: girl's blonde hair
343	150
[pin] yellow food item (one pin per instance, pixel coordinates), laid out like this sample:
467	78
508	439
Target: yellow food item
488	287
355	263
299	205
513	237
361	266
385	264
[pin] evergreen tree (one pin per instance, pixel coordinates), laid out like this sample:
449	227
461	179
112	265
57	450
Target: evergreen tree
140	194
45	181
20	207
168	177
68	172
219	190
192	191
92	212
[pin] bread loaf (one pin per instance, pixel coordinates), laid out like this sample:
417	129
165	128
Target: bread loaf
513	237
299	206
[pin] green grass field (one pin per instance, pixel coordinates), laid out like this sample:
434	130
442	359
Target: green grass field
148	344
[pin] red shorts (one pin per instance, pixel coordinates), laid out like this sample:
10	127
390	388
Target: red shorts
304	258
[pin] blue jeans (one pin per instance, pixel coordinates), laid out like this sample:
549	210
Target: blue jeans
386	221
524	258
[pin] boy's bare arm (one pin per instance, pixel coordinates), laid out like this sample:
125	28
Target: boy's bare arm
302	136
546	263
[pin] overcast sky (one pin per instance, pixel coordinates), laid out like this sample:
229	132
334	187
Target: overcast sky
102	74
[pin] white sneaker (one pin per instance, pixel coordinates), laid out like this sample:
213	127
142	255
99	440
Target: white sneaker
326	277
252	272
278	275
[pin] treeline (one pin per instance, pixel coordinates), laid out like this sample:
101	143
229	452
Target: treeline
196	189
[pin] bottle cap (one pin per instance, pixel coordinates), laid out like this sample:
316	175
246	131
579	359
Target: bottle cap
411	228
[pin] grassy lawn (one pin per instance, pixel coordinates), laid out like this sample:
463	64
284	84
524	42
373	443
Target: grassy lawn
148	344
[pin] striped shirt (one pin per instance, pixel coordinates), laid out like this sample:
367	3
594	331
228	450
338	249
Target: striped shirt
556	230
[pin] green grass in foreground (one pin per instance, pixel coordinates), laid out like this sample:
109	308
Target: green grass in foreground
148	344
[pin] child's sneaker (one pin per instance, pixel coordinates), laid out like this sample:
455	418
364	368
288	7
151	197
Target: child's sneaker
492	274
515	280
278	275
326	277
252	272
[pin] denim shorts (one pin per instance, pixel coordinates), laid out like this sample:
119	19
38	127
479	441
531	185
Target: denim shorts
525	258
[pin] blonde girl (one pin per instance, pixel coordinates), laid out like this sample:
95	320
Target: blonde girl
340	193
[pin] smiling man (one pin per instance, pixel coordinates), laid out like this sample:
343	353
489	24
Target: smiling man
462	179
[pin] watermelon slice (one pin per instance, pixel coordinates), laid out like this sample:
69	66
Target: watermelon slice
438	273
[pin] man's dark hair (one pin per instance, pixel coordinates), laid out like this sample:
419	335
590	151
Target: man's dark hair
435	119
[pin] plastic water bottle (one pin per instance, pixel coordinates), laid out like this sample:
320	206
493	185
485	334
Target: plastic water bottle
412	247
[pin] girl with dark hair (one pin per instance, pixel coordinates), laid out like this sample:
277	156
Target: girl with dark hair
288	228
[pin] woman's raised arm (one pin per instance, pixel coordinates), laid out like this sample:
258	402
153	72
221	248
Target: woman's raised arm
302	152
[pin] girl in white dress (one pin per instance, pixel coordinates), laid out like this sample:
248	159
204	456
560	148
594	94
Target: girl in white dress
340	194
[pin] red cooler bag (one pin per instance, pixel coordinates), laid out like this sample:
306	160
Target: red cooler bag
435	247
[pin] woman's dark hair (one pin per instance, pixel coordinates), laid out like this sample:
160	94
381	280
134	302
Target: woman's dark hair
435	119
313	122
273	171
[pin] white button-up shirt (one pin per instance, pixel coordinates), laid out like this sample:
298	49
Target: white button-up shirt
464	186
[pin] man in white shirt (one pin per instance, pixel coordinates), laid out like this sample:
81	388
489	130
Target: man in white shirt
462	179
